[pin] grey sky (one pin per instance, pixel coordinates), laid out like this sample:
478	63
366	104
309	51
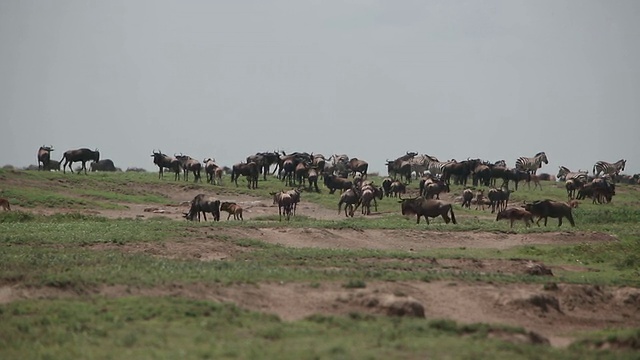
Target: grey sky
372	79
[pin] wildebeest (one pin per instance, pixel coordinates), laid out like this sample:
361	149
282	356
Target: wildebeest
44	156
53	165
4	203
333	183
467	196
549	208
284	202
397	187
190	164
480	199
233	209
312	176
498	198
351	200
165	161
210	168
427	208
356	165
512	214
250	170
368	193
102	165
83	155
203	204
386	186
435	188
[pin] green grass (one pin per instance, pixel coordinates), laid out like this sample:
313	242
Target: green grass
141	328
79	253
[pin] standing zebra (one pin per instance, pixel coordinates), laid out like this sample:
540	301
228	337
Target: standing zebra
531	164
609	169
565	174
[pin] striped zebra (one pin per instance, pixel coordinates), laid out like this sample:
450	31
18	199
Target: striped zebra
420	164
531	164
565	174
436	167
609	169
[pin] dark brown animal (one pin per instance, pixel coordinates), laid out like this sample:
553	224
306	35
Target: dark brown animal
333	183
250	170
165	161
369	192
498	198
284	202
427	208
233	209
102	165
44	156
83	155
512	214
351	199
203	204
4	203
397	187
356	165
53	165
190	164
435	188
549	208
467	196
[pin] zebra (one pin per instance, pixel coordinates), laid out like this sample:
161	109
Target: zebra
565	174
609	169
531	165
436	167
420	164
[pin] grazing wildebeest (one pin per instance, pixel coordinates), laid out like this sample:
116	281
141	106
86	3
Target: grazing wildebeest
102	165
44	156
233	209
165	161
512	214
427	208
549	208
203	204
4	203
250	170
190	164
83	155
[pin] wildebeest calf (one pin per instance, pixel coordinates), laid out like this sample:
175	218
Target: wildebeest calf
512	214
233	209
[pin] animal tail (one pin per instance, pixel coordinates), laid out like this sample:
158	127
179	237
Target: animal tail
453	216
339	206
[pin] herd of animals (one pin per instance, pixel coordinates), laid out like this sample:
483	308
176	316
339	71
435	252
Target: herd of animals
349	176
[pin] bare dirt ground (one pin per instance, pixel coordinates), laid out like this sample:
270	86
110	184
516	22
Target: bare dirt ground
555	313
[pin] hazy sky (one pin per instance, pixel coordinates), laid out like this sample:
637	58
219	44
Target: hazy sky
372	79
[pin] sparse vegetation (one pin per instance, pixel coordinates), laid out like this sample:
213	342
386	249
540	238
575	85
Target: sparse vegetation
59	242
